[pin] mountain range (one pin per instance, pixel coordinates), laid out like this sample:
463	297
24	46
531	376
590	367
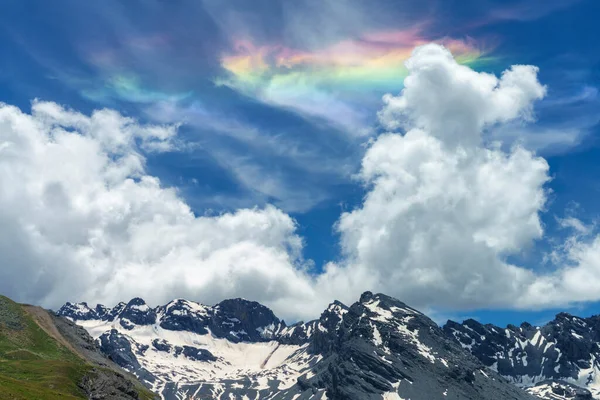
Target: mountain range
376	348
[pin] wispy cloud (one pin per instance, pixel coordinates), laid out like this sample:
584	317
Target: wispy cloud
490	12
527	11
563	123
267	164
123	87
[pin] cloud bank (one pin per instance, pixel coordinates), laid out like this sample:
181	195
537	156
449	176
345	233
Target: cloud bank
82	218
442	211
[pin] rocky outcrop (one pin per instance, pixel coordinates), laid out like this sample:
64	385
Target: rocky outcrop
183	315
242	320
136	313
106	384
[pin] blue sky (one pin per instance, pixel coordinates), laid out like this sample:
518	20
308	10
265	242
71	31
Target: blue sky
271	112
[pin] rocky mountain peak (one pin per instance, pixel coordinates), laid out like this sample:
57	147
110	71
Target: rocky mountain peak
384	302
564	316
78	311
136	301
243	320
101	311
526	326
380	347
184	315
137	312
115	311
366	297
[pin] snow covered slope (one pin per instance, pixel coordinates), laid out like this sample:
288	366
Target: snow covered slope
378	348
559	390
187	349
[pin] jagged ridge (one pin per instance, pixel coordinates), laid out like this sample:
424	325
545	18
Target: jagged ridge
558	357
376	348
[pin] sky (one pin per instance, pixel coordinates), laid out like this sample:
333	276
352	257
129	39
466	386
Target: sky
441	152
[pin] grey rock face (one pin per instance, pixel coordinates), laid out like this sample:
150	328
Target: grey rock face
161	345
242	320
78	311
118	348
297	334
195	354
136	313
182	315
114	313
102	384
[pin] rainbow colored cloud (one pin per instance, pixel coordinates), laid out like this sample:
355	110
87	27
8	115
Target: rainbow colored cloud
334	81
129	87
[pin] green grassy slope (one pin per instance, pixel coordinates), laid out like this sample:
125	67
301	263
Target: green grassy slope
34	365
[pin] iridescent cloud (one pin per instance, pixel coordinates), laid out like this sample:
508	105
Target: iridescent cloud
128	87
331	81
126	71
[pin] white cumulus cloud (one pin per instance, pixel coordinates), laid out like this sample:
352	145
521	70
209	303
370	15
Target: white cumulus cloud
454	103
442	212
81	219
